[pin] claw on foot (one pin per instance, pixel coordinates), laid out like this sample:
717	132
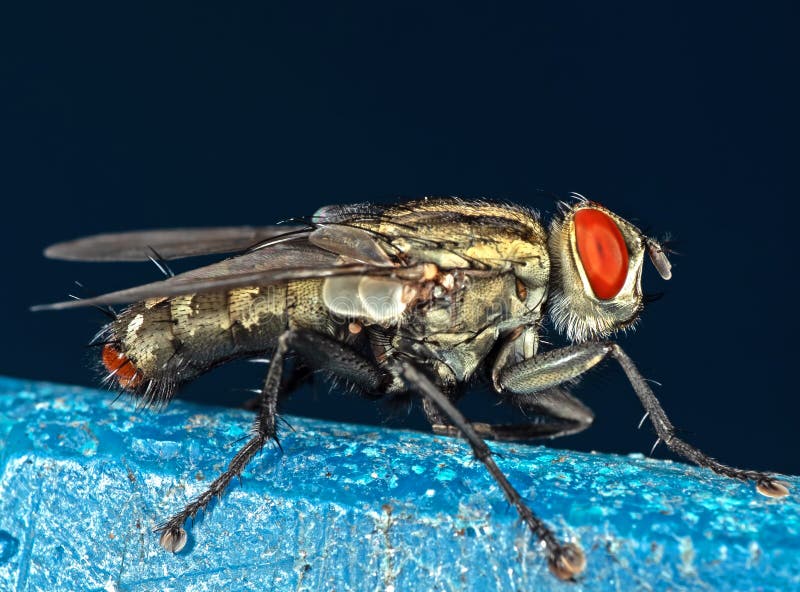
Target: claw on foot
771	488
567	562
173	539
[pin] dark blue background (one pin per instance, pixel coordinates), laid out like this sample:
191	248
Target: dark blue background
681	117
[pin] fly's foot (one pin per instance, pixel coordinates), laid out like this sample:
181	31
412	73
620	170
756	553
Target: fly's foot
567	562
173	538
772	488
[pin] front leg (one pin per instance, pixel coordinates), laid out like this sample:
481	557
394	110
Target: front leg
556	367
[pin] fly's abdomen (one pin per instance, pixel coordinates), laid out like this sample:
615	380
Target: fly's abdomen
139	344
257	316
201	328
156	345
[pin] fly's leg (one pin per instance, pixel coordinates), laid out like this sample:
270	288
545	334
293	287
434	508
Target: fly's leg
321	352
298	376
324	353
562	365
564	560
561	413
173	536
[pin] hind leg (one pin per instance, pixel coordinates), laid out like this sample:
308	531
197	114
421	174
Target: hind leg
320	352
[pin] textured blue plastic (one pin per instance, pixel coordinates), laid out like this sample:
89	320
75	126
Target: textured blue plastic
346	507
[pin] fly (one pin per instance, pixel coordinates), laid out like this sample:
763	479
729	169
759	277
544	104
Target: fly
415	298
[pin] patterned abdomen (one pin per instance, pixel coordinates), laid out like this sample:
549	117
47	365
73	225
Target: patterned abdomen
156	345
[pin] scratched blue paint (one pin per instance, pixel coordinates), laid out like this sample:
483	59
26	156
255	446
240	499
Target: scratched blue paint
346	507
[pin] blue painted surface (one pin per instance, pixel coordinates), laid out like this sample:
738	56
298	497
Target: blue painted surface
347	507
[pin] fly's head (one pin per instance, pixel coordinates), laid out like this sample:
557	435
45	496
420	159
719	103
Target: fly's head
596	276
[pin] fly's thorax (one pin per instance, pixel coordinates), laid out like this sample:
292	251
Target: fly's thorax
500	301
456	239
486	270
531	270
597	261
457	234
459	329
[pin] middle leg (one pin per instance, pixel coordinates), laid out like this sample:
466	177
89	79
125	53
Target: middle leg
564	560
559	414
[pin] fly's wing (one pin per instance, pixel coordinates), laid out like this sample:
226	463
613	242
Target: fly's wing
286	261
173	243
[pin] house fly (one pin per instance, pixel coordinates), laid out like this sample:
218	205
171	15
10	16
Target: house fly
414	299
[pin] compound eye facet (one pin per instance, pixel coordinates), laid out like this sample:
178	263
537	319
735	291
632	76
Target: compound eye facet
603	252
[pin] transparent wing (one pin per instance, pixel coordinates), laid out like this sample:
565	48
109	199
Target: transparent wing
282	262
173	243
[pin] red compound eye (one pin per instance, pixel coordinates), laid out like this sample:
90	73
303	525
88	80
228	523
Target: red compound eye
124	370
602	250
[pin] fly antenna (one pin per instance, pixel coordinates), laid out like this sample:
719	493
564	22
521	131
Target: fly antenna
659	258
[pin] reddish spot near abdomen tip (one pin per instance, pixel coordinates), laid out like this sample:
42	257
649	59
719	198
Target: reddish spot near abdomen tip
121	367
